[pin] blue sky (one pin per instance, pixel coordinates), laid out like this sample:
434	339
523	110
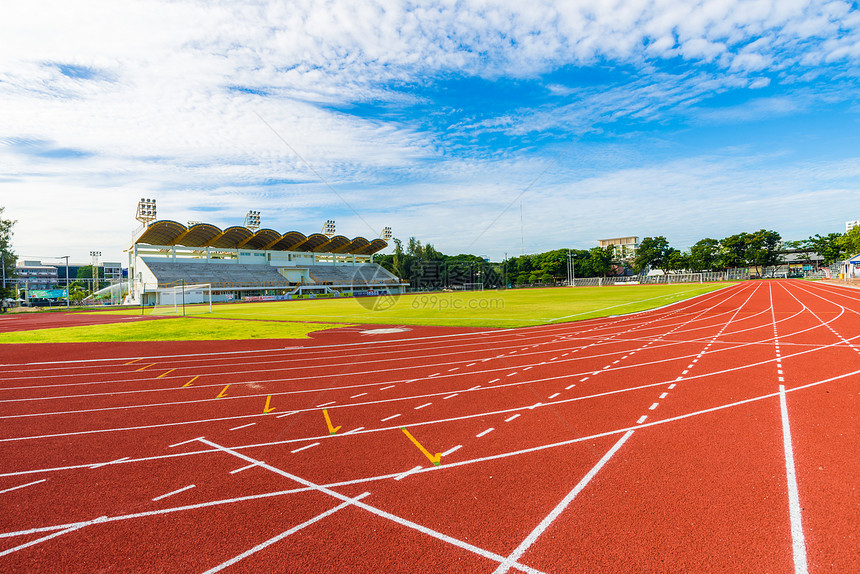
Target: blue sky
445	120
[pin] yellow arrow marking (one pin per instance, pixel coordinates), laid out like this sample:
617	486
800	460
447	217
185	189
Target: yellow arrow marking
142	368
268	409
165	374
134	361
435	459
223	392
331	429
188	384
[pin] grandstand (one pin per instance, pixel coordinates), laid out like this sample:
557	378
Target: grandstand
243	263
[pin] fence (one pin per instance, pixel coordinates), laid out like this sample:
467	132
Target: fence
672	278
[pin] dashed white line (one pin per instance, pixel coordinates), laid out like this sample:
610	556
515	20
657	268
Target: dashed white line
25	485
384	388
652	407
568	387
471	364
583	379
354	430
494	381
452	450
101	464
641	419
512	417
554	395
304	448
326	404
672	386
488	431
288	414
389	418
422	406
243	426
664	395
407	473
183	489
450	396
512	374
358	395
243	468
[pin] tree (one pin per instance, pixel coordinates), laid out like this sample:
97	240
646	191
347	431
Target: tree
763	249
600	259
705	255
676	260
850	242
652	253
8	257
830	247
733	250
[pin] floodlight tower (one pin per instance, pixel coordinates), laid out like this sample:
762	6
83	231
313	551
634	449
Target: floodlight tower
386	234
252	220
146	212
328	228
95	259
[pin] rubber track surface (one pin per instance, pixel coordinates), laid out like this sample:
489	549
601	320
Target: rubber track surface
719	434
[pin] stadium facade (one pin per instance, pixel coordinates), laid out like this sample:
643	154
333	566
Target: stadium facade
244	263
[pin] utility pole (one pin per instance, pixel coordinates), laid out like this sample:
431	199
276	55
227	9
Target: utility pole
68	300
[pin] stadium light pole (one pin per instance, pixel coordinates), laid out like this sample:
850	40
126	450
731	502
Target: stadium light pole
68	301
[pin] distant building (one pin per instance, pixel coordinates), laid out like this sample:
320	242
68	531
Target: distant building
624	247
34	275
849	225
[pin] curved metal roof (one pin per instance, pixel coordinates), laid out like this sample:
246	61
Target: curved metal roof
167	232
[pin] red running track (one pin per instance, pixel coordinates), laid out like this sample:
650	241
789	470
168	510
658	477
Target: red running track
719	434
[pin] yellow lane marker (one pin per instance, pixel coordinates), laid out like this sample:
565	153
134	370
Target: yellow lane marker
223	392
268	409
188	384
134	361
331	429
165	374
435	459
142	368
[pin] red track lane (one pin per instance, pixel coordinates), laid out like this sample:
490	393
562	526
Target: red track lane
646	442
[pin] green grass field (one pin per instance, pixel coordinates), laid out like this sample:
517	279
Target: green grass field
296	319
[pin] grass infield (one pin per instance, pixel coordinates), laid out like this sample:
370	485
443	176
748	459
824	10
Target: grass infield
296	319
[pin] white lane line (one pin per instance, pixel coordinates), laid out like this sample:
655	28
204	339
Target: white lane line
287	414
616	362
101	464
512	374
71	528
684	372
664	395
454	369
527	368
798	544
386	388
373	509
326	404
284	534
471	364
452	450
408	472
488	431
583	379
389	418
652	407
358	395
435	374
476	387
450	396
359	429
494	381
554	395
25	485
304	448
422	406
556	512
243	426
641	419
185	442
512	417
183	489
781	379
568	387
243	468
672	386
